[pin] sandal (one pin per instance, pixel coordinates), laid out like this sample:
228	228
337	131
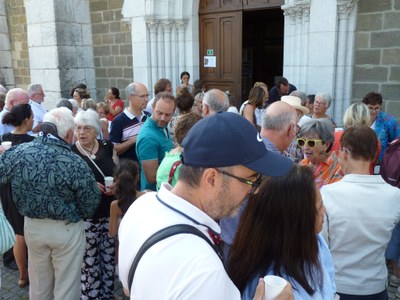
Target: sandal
23	282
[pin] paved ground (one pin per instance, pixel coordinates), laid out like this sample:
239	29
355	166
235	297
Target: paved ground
11	291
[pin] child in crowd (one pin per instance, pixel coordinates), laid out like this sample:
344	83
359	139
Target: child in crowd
126	175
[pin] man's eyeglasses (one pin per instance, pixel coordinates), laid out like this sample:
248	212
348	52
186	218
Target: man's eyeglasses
311	142
254	184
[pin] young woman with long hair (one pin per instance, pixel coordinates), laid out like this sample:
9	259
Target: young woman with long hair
278	235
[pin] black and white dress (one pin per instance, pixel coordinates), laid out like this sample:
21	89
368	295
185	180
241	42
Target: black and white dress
98	268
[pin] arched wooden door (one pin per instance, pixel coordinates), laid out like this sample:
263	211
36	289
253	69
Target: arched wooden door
220	23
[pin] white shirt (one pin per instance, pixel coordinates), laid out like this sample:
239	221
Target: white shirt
259	112
361	212
5	128
149	106
38	112
183	266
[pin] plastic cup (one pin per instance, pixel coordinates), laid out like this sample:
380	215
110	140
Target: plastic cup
274	285
108	182
6	145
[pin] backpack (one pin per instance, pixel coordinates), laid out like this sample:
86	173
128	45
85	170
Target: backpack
390	165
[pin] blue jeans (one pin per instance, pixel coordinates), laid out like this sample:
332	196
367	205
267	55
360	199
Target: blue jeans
393	248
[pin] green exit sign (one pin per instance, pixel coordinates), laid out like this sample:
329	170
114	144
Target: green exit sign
210	51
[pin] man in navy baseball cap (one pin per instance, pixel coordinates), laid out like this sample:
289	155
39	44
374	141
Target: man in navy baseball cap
227	139
224	159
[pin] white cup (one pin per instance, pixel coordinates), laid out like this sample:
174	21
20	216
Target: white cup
274	285
108	182
6	145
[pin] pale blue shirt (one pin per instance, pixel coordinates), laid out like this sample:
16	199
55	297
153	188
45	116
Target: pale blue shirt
328	284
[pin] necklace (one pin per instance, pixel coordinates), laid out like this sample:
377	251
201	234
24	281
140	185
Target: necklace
92	156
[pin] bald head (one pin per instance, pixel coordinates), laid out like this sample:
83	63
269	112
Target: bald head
278	115
214	101
16	96
279	124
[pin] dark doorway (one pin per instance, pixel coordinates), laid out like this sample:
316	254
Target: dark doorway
262	53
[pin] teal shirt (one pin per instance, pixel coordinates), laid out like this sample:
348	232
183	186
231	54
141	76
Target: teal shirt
49	181
151	144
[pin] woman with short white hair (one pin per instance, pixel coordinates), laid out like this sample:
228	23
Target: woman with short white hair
321	104
98	267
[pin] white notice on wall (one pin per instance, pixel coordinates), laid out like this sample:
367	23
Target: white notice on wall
210	61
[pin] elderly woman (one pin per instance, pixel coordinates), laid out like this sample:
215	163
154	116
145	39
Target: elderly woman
270	241
316	141
21	117
385	125
321	104
98	267
198	103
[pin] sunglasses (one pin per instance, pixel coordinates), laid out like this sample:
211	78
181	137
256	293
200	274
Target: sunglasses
310	143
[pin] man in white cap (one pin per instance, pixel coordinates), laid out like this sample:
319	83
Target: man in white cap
294	152
223	161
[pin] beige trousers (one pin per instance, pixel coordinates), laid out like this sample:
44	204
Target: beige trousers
55	250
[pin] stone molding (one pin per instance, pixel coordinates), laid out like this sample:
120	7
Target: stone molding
345	7
298	11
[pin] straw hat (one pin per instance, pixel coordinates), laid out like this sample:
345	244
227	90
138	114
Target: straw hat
296	103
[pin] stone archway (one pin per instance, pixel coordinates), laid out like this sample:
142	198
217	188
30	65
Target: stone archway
164	39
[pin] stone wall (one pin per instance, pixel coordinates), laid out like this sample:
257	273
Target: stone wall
16	18
6	70
112	46
377	52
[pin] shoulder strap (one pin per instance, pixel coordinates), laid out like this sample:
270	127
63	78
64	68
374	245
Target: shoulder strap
172	171
161	235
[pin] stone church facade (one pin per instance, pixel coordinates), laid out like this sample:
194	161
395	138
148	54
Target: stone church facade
345	47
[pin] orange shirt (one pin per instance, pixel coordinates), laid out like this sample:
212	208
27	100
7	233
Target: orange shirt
326	172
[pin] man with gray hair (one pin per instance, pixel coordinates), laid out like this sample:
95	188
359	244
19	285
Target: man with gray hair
279	126
126	126
13	97
214	101
54	189
36	98
278	131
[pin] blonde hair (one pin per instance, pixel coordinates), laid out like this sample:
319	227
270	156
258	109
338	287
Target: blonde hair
356	114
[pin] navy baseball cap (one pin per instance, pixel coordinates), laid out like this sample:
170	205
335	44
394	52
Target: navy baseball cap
227	139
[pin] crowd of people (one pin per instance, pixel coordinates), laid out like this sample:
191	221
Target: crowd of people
206	200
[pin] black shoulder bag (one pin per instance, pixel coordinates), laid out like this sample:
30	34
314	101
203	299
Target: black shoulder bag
161	235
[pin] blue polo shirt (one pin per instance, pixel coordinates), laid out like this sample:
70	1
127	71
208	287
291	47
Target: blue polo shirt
151	144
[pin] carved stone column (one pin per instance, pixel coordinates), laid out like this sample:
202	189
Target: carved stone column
344	57
296	41
167	27
152	25
181	29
